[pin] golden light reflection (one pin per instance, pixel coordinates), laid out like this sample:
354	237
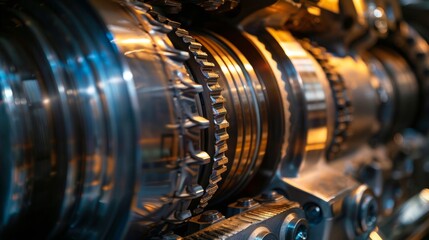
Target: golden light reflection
375	236
316	138
314	11
330	5
360	6
132	41
424	194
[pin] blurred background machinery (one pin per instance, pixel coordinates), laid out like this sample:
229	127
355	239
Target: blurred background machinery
214	119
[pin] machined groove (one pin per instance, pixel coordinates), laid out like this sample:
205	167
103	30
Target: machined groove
341	99
415	50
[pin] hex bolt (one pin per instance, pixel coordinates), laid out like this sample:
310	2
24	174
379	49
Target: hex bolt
245	202
241	205
204	220
211	216
269	196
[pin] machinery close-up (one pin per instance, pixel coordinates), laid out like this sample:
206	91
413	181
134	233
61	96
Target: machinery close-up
214	119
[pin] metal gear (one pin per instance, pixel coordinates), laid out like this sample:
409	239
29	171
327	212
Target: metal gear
216	108
341	99
415	49
188	121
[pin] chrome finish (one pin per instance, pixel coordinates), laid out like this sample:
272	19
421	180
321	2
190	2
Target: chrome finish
295	119
63	160
408	217
246	104
310	88
357	79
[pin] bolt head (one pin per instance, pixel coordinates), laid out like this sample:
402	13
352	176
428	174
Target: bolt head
295	227
368	212
245	202
313	212
301	233
211	216
269	196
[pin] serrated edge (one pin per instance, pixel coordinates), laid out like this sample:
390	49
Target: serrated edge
218	109
184	90
343	105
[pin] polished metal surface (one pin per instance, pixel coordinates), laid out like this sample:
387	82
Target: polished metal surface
309	88
61	158
246	105
215	119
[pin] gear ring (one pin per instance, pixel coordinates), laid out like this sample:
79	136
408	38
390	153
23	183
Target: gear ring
342	101
188	123
204	69
415	50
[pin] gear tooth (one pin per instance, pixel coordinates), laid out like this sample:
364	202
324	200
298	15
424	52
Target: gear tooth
217	109
215	89
204	200
181	32
200	54
203	206
216	179
211	77
342	127
217	99
220	170
340	94
221	148
222	124
194	47
222	137
158	26
211	189
206	65
183	90
220	162
174	24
